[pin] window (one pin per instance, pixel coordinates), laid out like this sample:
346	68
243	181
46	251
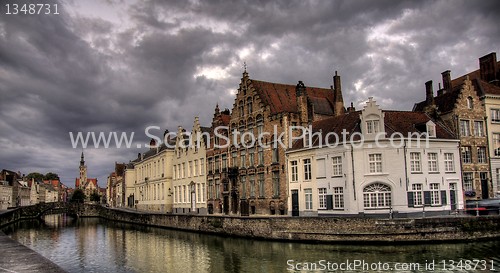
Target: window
481	155
217	188
337	166
322	198
252	185
372	126
243	162
241	108
260	125
417	195
275	153
190	168
466	154
183	170
198	192
496	144
465	128
320	168
217	164
375	162
243	187
261	155
202	166
449	165
468	181
495	115
479	128
195	167
210	165
435	194
249	105
276	183
234	158
224	161
251	156
307	169
294	171
433	163
261	185
338	198
470	103
377	196
415	166
308	198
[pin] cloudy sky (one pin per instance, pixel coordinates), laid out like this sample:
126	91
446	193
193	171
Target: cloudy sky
120	66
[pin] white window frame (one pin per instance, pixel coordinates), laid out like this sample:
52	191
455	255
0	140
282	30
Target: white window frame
449	162
432	162
375	163
307	169
308	199
435	194
337	166
294	171
322	198
338	198
418	195
415	162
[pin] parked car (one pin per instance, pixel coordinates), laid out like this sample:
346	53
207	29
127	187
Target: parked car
484	207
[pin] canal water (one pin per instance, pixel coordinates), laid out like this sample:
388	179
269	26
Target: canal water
97	245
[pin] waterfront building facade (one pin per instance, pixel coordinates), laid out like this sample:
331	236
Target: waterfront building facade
255	181
189	178
5	195
219	186
468	105
153	178
380	169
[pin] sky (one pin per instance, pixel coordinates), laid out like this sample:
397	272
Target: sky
121	66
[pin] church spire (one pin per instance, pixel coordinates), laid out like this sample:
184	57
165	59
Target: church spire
82	160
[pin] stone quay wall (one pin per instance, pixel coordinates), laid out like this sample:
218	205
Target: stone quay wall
310	229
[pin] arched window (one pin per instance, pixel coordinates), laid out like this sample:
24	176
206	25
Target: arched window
470	102
377	196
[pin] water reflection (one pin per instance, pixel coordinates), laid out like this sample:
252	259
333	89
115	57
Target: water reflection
96	245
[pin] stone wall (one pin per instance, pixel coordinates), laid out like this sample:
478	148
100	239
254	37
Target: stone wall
312	229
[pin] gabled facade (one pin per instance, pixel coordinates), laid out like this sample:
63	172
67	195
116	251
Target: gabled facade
221	179
88	185
384	166
468	105
189	179
256	177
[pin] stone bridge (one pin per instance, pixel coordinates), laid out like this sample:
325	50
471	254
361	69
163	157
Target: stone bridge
39	210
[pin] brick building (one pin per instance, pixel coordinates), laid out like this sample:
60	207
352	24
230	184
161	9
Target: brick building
470	106
248	177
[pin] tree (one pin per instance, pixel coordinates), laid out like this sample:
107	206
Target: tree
51	176
38	177
78	196
94	197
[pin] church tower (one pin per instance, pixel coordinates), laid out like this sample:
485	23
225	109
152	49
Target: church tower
83	172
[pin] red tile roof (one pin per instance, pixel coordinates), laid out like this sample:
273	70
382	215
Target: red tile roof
403	122
282	97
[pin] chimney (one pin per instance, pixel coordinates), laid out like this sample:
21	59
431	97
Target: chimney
337	96
429	93
300	89
446	81
488	67
351	108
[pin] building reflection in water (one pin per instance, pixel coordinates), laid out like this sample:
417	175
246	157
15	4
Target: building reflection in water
95	245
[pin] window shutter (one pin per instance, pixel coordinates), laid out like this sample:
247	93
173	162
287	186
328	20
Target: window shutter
329	202
427	198
411	202
443	198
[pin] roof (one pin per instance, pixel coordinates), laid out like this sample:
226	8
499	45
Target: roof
404	122
282	97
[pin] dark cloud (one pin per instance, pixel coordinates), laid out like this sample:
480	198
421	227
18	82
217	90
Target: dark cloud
163	62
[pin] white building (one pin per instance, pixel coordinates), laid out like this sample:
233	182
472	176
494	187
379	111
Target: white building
5	195
382	172
189	180
153	179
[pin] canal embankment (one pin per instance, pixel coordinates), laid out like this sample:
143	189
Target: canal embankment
311	229
16	257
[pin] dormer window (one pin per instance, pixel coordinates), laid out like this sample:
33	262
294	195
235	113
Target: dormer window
431	129
372	126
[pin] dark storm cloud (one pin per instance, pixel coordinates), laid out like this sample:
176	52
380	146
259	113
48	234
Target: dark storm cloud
168	61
